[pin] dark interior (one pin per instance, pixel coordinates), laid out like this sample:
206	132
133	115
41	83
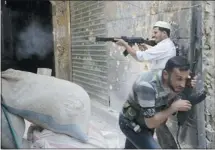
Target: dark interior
27	39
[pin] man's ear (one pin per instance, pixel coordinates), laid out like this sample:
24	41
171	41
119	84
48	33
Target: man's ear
165	74
165	33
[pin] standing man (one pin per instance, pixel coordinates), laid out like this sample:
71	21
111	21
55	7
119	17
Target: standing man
158	54
148	104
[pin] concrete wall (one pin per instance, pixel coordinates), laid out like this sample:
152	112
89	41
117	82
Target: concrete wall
209	65
136	18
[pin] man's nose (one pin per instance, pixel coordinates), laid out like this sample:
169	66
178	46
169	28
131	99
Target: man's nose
183	84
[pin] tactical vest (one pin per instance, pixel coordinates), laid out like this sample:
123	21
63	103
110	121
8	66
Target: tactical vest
132	109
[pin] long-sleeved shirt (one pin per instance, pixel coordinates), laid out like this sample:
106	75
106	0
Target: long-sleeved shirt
149	93
158	55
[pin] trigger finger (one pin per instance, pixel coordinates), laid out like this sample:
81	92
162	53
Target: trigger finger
189	105
117	40
195	78
194	81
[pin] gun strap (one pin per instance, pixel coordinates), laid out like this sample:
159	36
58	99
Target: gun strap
15	137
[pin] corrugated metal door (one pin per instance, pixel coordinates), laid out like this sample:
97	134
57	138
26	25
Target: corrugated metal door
89	59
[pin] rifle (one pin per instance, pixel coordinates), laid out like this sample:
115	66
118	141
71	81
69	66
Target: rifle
130	40
193	69
194	98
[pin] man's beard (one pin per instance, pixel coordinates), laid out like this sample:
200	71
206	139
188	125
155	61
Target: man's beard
171	87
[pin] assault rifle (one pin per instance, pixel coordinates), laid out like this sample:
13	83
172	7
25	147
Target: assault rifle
130	40
194	98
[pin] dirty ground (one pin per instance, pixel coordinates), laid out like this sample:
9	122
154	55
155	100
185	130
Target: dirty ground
106	122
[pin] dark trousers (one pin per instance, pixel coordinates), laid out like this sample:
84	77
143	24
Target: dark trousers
141	140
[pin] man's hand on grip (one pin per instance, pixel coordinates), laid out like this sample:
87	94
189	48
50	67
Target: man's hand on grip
120	42
181	105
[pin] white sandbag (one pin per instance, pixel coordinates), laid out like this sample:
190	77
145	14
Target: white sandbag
49	139
58	105
18	124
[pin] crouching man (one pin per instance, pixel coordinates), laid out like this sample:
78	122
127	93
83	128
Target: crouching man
152	100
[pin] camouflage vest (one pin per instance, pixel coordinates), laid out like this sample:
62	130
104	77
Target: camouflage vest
162	100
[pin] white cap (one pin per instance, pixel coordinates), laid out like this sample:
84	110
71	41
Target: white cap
163	24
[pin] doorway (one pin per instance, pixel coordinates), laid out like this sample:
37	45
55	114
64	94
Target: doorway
27	39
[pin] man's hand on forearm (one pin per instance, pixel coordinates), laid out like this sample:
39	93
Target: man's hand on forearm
130	50
159	118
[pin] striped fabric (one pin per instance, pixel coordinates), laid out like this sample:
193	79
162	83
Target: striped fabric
149	93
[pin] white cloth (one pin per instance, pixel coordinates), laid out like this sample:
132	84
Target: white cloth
158	55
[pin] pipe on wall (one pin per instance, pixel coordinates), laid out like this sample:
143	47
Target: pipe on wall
196	45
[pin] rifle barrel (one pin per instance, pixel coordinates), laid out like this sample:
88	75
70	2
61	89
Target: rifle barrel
105	39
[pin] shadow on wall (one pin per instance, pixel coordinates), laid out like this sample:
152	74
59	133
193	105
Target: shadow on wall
181	50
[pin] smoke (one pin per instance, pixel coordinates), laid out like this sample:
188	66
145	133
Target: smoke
34	40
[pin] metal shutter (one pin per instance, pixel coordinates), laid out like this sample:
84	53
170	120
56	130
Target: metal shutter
89	59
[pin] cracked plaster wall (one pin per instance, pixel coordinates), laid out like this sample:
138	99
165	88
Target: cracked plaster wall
209	64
